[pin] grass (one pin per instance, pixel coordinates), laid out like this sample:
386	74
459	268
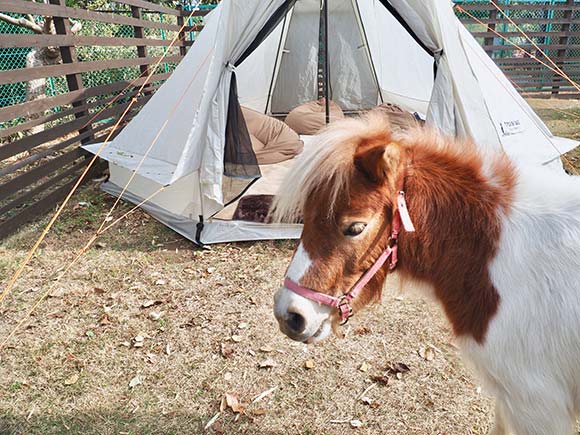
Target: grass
206	326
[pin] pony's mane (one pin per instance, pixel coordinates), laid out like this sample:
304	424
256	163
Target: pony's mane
326	164
329	162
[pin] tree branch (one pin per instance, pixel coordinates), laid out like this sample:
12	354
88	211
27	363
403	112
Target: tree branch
21	22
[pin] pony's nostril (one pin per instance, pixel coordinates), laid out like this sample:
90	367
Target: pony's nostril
296	322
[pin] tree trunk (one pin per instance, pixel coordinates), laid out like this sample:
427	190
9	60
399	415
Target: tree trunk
36	89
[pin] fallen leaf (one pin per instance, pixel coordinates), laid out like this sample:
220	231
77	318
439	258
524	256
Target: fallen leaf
362	330
309	364
100	245
90	334
356	423
268	364
258	411
138	341
243	325
368	401
99	291
135	381
155	315
236	338
266	349
383	380
105	320
160	282
227	350
150	303
151	357
427	353
396	368
364	367
71	380
234	403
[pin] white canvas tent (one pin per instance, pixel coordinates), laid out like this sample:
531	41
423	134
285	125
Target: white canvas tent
414	53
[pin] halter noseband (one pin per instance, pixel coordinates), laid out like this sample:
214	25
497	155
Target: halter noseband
342	303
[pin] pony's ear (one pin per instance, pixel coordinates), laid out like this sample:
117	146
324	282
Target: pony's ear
381	163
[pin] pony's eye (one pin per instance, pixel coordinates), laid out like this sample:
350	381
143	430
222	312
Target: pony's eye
355	229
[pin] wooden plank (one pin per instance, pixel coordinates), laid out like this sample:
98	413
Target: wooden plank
60	146
21	181
515	60
22	75
30	7
61	114
30	142
519	20
522	7
535	73
547	94
519	35
37	208
150	6
530	48
63	40
30	194
545	84
32	107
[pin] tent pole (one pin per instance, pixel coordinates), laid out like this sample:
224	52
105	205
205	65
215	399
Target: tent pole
326	63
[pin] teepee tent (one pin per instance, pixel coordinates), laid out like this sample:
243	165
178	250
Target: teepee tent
266	55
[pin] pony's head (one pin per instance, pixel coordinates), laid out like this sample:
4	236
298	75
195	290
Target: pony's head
345	189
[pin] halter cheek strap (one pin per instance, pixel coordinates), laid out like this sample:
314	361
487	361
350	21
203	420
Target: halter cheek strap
342	303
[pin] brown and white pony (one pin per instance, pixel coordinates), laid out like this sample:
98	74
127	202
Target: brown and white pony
497	245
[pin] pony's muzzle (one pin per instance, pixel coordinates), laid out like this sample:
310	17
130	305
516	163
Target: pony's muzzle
299	318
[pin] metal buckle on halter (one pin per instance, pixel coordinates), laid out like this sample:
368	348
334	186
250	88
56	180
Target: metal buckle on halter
344	303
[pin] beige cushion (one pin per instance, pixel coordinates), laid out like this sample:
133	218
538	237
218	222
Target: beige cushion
399	118
272	140
310	118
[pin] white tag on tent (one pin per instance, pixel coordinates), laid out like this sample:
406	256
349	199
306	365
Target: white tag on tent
509	128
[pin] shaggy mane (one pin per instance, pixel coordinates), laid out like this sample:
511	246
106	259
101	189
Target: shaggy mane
328	163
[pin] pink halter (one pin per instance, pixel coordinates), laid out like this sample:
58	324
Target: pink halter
342	303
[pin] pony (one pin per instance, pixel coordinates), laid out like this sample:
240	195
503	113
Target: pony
496	244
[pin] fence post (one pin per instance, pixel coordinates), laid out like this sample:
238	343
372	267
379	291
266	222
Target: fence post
487	42
68	55
564	40
180	21
141	49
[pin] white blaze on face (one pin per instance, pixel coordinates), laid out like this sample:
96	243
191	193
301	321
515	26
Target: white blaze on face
316	316
299	265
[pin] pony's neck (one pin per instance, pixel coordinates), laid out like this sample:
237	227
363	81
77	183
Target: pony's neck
456	210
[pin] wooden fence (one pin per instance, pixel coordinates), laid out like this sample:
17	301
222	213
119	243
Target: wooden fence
554	26
38	170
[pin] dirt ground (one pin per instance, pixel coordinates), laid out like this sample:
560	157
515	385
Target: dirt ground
148	334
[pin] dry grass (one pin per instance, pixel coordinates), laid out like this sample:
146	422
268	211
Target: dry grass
215	316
